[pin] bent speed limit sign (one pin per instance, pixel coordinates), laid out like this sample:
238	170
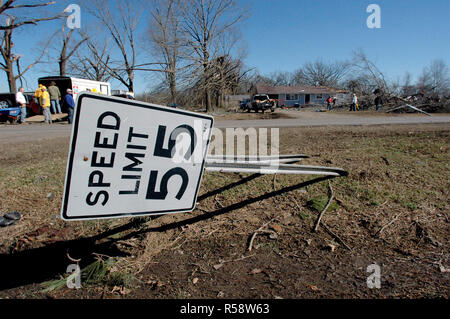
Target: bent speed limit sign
129	158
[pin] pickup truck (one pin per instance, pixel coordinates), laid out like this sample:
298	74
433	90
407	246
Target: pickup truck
261	102
9	111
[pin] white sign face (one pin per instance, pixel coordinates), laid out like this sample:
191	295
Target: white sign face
129	158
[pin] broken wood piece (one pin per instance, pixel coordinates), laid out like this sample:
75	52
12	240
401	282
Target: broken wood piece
387	225
259	230
336	237
330	190
411	107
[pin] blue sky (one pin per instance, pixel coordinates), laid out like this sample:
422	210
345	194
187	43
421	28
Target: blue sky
281	35
412	33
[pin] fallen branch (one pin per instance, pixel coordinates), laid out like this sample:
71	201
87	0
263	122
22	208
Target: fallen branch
238	259
296	203
330	190
218	202
411	107
222	262
385	226
73	259
259	230
176	239
336	236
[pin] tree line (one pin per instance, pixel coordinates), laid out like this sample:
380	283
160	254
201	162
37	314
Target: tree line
192	48
188	44
361	75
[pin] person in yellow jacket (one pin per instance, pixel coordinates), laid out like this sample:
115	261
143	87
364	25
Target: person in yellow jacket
44	99
37	94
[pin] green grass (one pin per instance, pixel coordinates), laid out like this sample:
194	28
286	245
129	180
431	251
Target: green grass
303	215
318	204
98	272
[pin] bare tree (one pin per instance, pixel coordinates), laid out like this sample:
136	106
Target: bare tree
167	40
12	16
367	69
120	19
205	21
435	78
226	73
407	87
257	78
281	78
120	22
319	73
10	59
360	84
67	51
93	62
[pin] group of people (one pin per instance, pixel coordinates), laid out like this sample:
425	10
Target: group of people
47	98
354	106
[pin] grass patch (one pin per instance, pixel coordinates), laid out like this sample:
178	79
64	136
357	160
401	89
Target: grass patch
410	186
318	204
303	215
100	272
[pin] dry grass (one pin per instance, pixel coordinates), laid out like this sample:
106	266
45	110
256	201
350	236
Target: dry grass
392	207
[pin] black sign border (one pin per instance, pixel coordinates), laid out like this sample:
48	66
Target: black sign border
73	146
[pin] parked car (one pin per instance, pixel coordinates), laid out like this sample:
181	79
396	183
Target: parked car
10	111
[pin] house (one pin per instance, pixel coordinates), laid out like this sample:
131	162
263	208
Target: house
301	94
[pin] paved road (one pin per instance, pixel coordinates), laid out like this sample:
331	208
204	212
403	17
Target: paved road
33	132
39	131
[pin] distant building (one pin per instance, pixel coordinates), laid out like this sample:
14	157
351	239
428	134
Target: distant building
301	94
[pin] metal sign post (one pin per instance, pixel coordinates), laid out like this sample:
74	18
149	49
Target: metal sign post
277	164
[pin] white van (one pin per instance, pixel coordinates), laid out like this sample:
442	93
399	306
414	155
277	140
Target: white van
76	85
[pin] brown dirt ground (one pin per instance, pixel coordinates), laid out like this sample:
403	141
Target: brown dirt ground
398	183
310	112
278	114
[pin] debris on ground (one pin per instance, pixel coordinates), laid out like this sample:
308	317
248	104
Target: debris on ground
9	219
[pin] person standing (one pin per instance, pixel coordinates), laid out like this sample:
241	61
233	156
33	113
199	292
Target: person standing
55	97
37	94
45	104
22	103
378	102
354	102
68	100
329	101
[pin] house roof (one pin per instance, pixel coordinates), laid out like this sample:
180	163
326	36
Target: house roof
295	89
